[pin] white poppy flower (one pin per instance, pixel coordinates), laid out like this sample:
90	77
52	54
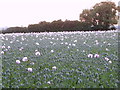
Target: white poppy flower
96	56
18	61
66	43
29	69
48	82
25	59
37	43
110	61
21	48
90	55
52	51
3	46
73	45
75	40
107	59
8	47
32	63
37	53
107	49
54	67
51	42
2	52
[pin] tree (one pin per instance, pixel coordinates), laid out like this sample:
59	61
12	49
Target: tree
118	8
101	16
86	19
15	30
56	25
105	14
86	16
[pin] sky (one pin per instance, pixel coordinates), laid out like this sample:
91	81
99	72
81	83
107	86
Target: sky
24	12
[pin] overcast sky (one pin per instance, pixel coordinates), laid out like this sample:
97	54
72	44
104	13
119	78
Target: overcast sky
25	12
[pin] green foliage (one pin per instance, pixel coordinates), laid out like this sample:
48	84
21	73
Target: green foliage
74	68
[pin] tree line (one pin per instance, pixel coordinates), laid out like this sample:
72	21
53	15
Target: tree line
100	17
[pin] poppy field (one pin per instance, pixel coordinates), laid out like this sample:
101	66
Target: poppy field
60	60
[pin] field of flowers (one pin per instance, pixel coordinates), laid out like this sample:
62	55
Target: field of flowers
60	60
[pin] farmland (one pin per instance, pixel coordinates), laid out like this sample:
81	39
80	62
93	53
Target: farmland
60	60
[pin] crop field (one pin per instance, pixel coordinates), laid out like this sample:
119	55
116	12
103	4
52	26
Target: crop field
60	60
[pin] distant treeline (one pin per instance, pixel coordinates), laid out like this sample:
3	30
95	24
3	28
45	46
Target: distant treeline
100	17
55	26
